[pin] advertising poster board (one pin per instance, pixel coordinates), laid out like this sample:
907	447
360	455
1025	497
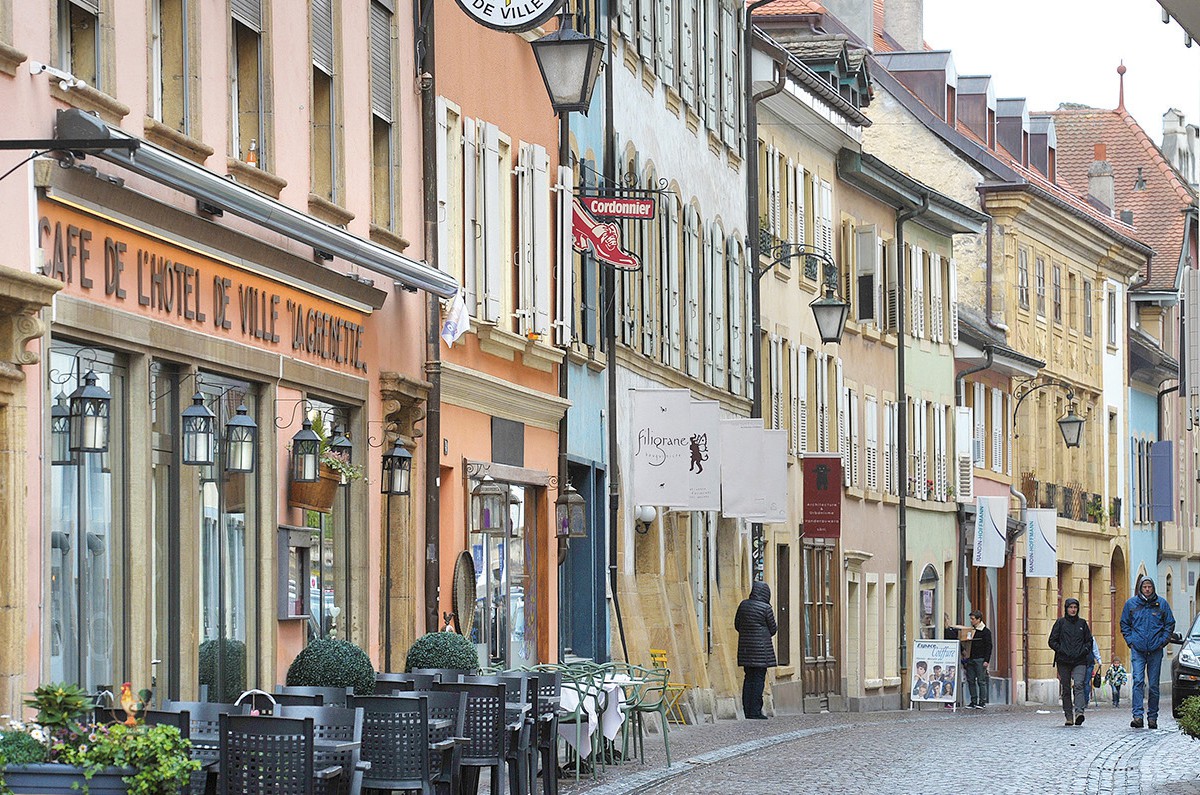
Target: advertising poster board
935	671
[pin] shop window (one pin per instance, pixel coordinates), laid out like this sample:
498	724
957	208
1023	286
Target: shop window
818	601
79	39
324	139
170	86
226	517
246	89
383	205
87	533
505	627
927	604
164	420
328	574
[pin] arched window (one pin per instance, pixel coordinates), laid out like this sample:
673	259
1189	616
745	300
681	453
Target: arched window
928	602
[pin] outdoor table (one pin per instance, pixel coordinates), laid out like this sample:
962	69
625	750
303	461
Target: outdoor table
609	722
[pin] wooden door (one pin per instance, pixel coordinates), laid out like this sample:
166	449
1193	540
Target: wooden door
783	596
820	622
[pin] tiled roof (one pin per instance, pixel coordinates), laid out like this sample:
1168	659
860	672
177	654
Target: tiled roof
788	8
817	48
1157	208
882	44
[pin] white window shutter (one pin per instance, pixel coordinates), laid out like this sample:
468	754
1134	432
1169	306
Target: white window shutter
687	50
943	475
877	278
443	186
1008	433
923	438
953	302
843	429
871	420
493	215
893	287
733	263
855	478
691	275
651	263
712	82
826	220
665	46
707	288
541	241
471	236
645	11
865	251
801	219
980	426
669	283
775	346
729	88
524	254
625	19
822	396
564	311
997	431
802	402
935	298
964	475
717	317
918	292
794	399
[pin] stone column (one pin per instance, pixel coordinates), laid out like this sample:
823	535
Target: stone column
22	297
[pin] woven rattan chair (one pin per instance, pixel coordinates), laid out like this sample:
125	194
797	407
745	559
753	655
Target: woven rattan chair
485	727
335	724
395	740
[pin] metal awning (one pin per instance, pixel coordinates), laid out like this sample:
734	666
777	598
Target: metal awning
212	188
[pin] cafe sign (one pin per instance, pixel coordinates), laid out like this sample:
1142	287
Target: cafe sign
131	270
512	16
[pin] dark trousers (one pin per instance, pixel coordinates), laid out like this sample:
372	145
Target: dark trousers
977	680
752	691
1071	683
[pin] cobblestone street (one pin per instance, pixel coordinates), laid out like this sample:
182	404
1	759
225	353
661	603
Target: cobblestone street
1003	750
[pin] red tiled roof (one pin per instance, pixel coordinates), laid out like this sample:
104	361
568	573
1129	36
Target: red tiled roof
781	8
1157	208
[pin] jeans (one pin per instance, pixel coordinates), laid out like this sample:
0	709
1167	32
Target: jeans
1087	686
1071	682
977	680
1146	666
752	691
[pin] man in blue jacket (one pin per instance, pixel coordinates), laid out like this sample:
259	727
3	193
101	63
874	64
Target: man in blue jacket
1147	624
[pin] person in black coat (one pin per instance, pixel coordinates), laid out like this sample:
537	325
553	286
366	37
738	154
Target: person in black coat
755	623
1071	639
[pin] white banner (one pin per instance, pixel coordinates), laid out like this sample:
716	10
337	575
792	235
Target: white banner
704	459
774	481
661	423
1041	556
742	469
991	531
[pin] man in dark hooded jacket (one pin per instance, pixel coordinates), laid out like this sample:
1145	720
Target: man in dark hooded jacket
1147	624
1071	639
755	623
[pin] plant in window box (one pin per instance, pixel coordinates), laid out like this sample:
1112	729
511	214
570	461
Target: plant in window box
65	752
327	467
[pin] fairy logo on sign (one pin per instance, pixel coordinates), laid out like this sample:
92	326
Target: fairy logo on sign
510	15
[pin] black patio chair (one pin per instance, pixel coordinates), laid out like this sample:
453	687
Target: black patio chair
443	674
446	769
422	681
523	745
485	727
330	696
269	756
340	724
204	729
389	688
395	740
549	694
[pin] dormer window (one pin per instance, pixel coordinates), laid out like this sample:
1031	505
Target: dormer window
1025	148
1052	165
951	106
991	129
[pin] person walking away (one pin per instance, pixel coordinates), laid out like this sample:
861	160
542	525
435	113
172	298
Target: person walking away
1116	678
1071	639
1146	625
1093	672
755	623
976	661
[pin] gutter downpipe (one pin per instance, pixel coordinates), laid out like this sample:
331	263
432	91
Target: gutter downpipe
960	393
903	217
610	359
754	244
988	260
433	352
1162	393
1024	601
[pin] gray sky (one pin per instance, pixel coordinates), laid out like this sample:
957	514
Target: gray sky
1053	51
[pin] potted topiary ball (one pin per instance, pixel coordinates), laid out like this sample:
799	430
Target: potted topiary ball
233	666
446	650
330	662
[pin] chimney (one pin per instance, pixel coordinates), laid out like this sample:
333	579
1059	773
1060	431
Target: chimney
904	21
858	17
1101	189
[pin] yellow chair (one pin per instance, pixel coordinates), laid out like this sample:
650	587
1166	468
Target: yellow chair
674	690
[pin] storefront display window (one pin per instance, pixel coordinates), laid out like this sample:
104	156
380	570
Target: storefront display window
328	583
928	603
505	626
87	531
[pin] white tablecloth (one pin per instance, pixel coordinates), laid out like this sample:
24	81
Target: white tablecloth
609	721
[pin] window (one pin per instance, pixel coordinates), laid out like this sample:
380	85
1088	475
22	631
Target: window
1058	294
170	78
1072	303
819	588
1113	318
323	119
79	40
87	534
1087	307
867	256
329	576
246	88
1041	287
1023	278
928	604
383	149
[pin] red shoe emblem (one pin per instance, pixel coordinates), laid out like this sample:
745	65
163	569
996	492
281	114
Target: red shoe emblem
603	238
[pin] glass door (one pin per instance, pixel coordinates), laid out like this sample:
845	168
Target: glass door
505	630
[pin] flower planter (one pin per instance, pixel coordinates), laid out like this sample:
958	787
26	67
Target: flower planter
317	496
53	779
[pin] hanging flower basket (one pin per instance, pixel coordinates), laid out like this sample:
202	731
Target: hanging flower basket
316	496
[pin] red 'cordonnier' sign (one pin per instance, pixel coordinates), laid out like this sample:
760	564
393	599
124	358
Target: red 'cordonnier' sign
616	207
822	496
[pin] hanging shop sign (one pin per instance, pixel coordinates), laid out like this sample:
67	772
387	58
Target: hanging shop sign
136	271
991	531
662	419
822	496
641	209
512	16
602	238
1041	558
